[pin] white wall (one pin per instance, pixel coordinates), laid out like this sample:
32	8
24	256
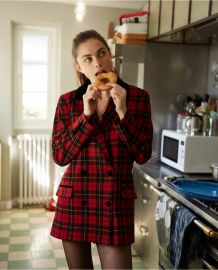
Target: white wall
61	15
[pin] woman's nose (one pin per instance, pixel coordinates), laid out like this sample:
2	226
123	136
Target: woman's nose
97	63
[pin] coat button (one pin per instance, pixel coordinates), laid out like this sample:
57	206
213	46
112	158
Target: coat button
83	172
110	173
83	202
108	203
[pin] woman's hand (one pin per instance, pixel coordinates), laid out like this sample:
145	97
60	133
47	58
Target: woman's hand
118	95
90	99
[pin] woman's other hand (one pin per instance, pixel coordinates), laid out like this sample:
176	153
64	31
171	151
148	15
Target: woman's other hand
90	99
118	95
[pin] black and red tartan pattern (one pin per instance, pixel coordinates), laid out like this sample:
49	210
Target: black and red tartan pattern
96	193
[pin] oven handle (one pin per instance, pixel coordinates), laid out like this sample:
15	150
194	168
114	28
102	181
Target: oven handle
155	190
206	229
208	265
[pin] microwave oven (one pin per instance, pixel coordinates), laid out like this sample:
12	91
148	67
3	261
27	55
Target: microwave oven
188	154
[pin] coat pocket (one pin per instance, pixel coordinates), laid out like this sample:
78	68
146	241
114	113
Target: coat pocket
64	191
129	193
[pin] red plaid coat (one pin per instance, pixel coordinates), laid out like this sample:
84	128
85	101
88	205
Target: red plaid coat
96	193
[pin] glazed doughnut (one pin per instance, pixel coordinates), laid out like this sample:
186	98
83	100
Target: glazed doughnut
102	80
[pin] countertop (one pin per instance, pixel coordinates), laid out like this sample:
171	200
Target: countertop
154	171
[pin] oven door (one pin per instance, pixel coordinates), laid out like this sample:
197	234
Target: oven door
205	255
209	256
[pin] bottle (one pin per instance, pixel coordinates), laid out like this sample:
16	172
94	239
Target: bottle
206	125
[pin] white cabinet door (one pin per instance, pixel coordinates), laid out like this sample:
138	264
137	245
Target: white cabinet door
199	10
153	18
214	7
181	11
166	16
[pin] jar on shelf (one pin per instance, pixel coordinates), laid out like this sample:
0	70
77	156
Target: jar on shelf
181	125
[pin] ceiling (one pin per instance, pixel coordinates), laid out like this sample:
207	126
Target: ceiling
124	4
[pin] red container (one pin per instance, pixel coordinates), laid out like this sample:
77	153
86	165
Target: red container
135	17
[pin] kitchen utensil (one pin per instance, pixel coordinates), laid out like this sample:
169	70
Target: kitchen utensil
194	124
201	110
214	167
212	103
190	107
203	190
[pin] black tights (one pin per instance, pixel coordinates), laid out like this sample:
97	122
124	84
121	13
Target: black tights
79	256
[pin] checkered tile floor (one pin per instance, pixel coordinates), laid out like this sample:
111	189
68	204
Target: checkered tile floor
25	242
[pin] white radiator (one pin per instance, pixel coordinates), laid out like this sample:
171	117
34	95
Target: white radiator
0	169
34	168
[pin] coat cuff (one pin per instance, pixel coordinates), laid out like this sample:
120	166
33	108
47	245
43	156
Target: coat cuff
85	122
124	122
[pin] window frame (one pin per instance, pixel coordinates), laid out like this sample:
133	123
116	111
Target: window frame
51	32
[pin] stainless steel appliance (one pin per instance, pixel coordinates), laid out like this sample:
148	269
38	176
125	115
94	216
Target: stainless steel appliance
189	154
150	185
207	247
146	242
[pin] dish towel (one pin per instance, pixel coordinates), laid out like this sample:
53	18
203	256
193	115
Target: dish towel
164	210
184	238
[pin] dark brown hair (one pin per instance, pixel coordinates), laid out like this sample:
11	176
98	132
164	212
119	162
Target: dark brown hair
81	38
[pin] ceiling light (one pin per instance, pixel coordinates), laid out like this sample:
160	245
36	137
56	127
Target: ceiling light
80	11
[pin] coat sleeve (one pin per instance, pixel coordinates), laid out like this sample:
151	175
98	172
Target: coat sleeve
68	137
136	129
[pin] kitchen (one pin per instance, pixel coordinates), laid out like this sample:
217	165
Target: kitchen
166	66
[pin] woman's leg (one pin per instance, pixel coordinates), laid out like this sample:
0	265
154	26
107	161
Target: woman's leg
115	257
78	255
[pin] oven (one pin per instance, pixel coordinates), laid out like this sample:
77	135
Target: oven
208	247
206	256
147	244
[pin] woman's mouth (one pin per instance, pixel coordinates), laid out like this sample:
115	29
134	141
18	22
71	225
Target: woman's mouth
99	72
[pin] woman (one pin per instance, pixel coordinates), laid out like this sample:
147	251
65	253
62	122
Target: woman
98	134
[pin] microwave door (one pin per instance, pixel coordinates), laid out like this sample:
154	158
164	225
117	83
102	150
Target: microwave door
170	149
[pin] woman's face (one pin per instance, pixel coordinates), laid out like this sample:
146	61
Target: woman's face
93	57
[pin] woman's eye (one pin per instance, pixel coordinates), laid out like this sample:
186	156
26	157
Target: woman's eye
102	53
88	60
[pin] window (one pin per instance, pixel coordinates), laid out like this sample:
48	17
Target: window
35	78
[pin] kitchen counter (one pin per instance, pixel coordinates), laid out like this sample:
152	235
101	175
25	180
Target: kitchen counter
154	171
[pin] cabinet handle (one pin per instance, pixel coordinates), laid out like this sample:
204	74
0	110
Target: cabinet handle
143	230
144	200
155	190
145	185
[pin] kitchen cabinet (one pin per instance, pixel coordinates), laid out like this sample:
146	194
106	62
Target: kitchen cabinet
153	30
167	19
181	13
199	10
146	242
214	8
166	13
